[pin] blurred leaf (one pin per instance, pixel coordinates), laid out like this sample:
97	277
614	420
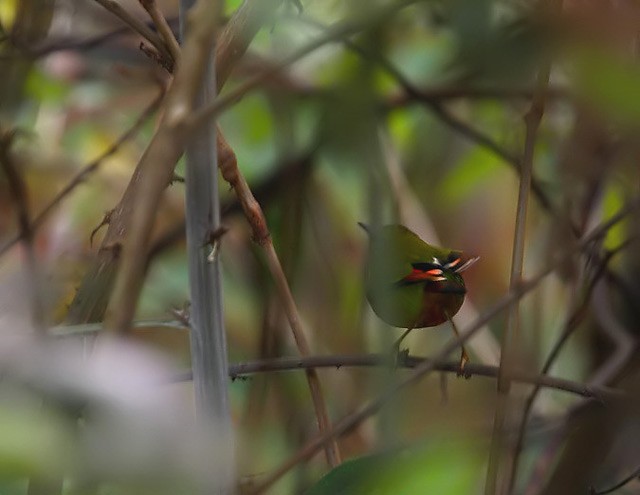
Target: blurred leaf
166	287
443	468
612	202
43	88
401	127
230	6
496	45
424	58
253	122
608	82
8	10
15	487
34	442
473	170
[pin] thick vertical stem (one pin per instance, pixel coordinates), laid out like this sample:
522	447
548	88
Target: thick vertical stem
208	341
498	472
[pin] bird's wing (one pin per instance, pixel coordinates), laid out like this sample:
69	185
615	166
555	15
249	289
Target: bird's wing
400	256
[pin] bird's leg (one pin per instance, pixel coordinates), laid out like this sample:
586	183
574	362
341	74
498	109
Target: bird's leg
396	344
395	349
464	357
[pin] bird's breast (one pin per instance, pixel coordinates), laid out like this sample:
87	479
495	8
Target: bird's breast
414	306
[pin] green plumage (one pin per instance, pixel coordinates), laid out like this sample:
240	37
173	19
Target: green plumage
399	288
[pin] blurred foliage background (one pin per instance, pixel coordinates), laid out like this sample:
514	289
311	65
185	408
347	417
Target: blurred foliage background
416	119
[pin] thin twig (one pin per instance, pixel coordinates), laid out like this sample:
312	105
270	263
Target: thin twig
433	100
255	216
18	191
575	318
158	163
87	329
479	93
87	170
353	420
633	476
336	33
65	43
511	352
138	26
238	33
90	301
409	362
338	361
624	342
151	6
265	191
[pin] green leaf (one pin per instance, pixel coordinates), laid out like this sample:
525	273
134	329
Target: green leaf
445	467
472	172
608	82
612	203
33	442
42	88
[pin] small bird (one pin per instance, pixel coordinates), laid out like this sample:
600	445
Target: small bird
411	284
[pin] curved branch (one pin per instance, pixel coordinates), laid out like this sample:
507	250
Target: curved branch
617	486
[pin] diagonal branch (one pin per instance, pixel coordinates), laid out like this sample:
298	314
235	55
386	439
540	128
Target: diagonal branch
255	217
158	163
337	32
151	6
90	301
18	191
575	318
136	25
87	170
625	481
433	100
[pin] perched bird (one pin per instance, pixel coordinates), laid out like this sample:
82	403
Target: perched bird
411	284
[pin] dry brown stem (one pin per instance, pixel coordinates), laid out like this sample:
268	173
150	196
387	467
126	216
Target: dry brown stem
501	456
92	296
136	25
18	191
158	163
163	27
230	172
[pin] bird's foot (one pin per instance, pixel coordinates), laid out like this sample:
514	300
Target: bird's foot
464	359
400	357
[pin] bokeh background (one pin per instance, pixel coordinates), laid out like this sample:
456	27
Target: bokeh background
417	119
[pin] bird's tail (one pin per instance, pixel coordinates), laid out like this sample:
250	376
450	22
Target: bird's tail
365	227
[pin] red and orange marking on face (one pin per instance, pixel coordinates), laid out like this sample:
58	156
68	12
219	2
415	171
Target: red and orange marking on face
417	275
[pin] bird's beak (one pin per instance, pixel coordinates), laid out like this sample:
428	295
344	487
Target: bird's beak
466	261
